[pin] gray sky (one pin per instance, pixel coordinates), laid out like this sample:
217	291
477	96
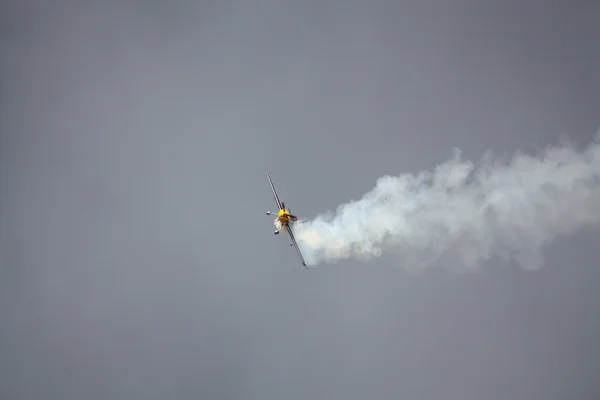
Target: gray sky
137	262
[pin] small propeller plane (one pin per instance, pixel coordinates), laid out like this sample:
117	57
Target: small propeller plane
284	220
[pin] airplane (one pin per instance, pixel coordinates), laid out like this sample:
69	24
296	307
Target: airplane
284	220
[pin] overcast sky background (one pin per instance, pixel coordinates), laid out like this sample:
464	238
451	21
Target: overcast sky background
136	258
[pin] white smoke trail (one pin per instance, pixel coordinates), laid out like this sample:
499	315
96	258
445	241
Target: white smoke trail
465	215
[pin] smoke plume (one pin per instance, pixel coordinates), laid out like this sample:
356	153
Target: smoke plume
463	214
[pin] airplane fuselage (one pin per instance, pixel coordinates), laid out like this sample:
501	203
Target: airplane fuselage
284	216
282	221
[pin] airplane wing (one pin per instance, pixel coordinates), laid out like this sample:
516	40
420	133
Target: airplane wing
274	192
289	229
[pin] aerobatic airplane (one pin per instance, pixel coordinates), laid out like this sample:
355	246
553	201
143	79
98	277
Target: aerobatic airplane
284	220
